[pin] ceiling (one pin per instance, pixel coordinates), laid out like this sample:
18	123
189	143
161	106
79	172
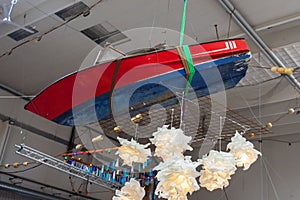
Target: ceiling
60	48
62	51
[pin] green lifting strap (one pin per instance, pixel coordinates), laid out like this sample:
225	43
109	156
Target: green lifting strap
188	65
190	62
183	23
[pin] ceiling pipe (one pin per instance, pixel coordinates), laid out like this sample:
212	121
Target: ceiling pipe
272	25
240	20
14	92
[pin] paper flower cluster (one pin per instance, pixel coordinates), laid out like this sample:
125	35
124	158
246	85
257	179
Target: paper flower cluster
177	177
131	151
243	151
217	169
131	191
170	142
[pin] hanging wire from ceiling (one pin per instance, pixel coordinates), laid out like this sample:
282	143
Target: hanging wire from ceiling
225	192
260	135
229	23
167	22
38	38
270	179
152	25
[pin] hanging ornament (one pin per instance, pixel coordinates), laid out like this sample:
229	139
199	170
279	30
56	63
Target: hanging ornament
97	139
16	165
117	129
291	111
132	151
217	169
177	177
269	125
243	151
131	191
170	142
78	147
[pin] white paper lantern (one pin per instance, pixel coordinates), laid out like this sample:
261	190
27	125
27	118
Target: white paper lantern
243	151
131	191
217	169
177	177
170	142
131	151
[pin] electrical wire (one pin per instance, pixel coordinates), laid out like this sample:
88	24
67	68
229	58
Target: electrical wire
229	24
261	82
225	194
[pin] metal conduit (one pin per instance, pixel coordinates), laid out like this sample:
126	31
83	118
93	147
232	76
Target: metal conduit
229	7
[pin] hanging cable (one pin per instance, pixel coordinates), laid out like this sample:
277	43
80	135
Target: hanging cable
229	24
260	135
225	193
270	179
167	21
152	27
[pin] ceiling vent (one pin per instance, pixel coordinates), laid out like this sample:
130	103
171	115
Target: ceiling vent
105	33
73	11
21	33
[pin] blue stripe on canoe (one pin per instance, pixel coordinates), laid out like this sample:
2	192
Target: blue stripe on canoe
156	89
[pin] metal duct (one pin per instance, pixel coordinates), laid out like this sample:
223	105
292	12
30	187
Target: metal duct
229	7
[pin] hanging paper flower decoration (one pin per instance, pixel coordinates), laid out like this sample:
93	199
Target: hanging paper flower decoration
170	142
131	191
177	177
131	151
243	151
217	169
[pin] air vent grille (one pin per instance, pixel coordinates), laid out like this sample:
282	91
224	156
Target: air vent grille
104	33
21	34
72	11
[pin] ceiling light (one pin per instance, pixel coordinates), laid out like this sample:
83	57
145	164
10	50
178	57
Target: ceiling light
177	177
217	169
243	151
170	142
131	151
131	191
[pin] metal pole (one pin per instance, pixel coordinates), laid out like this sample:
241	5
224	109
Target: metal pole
240	20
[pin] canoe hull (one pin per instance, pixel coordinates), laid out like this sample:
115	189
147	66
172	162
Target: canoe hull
141	81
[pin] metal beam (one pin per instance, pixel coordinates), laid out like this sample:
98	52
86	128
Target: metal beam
92	177
242	22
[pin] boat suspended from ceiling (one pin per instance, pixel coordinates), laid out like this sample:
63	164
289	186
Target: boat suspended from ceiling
134	83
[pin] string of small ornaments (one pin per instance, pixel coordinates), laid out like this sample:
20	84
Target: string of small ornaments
17	164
